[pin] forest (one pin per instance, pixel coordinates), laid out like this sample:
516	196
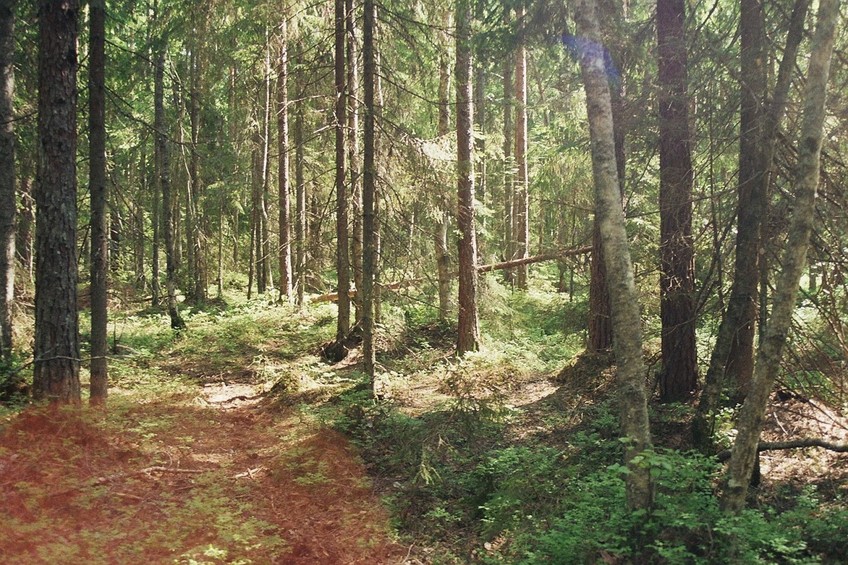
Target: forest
480	281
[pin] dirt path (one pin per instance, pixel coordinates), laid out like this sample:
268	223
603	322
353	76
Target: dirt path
207	480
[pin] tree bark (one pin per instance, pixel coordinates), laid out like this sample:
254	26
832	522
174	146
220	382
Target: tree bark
749	424
163	176
7	174
195	215
57	351
98	194
440	235
626	321
679	376
508	160
703	422
300	197
284	200
369	182
468	338
342	250
521	195
356	234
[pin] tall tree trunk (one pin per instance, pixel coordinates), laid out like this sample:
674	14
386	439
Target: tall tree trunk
679	376
369	182
600	323
749	424
7	174
624	299
163	180
479	90
284	199
508	161
440	236
703	422
468	338
97	190
744	295
156	222
57	350
356	240
265	195
197	232
342	253
521	195
255	269
300	184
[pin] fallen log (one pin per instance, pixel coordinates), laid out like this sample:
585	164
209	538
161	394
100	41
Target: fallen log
535	259
553	255
792	444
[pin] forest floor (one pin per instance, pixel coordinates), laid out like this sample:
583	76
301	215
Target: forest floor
234	442
185	478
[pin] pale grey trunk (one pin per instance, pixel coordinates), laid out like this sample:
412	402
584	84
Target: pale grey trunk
749	424
624	300
440	236
284	198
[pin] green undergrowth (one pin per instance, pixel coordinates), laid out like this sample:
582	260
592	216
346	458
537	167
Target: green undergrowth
465	469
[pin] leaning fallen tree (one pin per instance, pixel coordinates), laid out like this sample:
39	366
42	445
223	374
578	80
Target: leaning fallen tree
541	258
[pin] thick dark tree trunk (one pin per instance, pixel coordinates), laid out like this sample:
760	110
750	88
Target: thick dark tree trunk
508	161
57	351
284	198
7	174
744	452
677	269
468	338
624	299
97	190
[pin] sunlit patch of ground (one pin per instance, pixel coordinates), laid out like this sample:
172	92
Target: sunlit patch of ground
170	482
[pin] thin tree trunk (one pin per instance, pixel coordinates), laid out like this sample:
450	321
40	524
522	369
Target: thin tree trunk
284	199
163	176
468	338
369	182
749	424
440	236
97	189
677	268
342	254
508	161
624	299
521	195
265	194
26	221
300	184
357	234
57	349
7	175
155	237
